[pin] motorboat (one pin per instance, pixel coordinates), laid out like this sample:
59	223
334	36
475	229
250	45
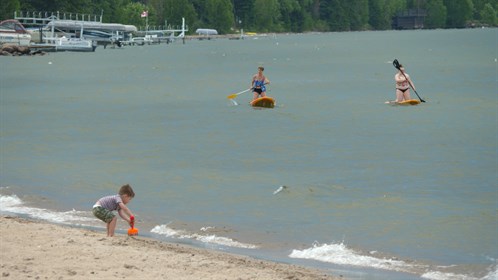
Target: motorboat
13	32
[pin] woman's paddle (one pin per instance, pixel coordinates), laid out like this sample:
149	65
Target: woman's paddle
397	66
232	96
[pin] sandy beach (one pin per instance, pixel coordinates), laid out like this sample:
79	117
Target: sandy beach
37	250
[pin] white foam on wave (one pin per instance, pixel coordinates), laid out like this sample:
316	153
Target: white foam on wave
9	201
492	275
210	239
281	188
13	204
440	275
342	255
437	275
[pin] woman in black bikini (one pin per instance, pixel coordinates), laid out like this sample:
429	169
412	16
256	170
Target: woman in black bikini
403	83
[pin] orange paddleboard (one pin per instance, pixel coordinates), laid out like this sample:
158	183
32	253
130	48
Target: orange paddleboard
404	103
265	102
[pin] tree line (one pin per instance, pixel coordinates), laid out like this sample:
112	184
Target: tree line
229	16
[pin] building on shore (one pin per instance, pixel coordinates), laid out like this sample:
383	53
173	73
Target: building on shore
410	19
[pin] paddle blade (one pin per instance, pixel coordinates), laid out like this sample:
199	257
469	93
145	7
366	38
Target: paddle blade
232	96
396	64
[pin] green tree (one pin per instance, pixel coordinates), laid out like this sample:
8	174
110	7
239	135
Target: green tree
288	10
479	6
394	6
300	16
376	11
174	10
488	15
416	4
131	14
436	14
201	11
307	13
38	6
158	7
459	12
381	12
112	14
220	15
357	13
243	12
335	14
74	6
8	8
62	6
266	15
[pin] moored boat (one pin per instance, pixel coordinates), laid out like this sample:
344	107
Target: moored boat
66	44
13	32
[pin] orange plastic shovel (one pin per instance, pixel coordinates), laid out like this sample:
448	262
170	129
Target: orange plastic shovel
132	230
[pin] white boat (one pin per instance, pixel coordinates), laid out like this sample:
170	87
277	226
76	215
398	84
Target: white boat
204	31
142	40
12	32
97	35
72	44
63	43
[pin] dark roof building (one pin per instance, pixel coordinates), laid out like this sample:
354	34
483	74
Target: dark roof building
410	19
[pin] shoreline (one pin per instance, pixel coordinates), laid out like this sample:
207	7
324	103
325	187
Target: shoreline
41	250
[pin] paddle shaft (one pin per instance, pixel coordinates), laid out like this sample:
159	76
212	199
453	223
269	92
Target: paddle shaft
243	91
238	93
410	83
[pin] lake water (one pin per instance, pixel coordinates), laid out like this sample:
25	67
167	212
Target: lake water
372	191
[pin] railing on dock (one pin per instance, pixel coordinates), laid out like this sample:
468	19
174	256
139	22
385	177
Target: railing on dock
43	18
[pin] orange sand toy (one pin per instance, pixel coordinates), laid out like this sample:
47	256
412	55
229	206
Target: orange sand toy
132	230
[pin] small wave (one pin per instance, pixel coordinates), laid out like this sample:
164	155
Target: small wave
13	204
437	275
342	255
492	276
7	201
211	239
444	275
